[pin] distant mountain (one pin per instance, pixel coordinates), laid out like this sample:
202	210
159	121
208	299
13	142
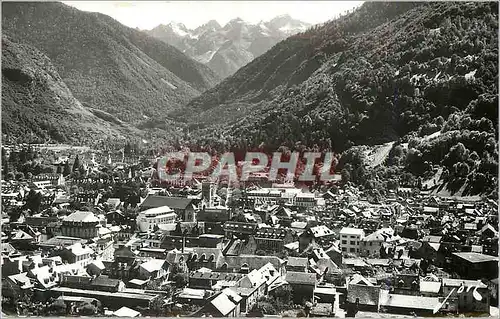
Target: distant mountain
108	66
226	49
36	102
388	72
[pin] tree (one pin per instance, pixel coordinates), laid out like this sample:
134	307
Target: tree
262	308
19	176
283	294
33	201
87	310
76	164
180	279
58	307
10	176
67	169
346	176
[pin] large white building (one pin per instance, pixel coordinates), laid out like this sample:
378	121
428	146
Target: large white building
146	220
350	239
285	194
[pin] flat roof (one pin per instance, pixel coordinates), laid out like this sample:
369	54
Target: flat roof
124	295
476	257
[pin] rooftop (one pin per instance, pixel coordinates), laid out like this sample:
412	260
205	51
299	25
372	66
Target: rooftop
476	257
79	216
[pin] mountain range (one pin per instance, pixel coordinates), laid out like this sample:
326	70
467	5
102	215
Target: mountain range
227	48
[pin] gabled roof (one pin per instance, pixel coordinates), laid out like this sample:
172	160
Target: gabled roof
79	216
153	265
297	262
126	312
475	257
359	280
304	278
21	235
320	231
351	231
78	249
226	301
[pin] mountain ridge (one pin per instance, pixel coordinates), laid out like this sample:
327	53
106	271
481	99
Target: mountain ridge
106	65
227	48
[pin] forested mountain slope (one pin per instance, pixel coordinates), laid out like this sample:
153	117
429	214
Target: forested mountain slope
36	102
387	72
106	65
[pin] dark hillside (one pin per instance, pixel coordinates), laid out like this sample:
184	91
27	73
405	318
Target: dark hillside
36	103
108	66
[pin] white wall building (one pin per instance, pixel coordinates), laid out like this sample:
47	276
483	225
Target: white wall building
350	239
146	220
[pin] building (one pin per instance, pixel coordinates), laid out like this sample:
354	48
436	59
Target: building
154	269
321	235
185	208
79	254
371	244
81	225
303	285
224	304
297	264
350	240
475	266
273	239
239	229
148	219
467	296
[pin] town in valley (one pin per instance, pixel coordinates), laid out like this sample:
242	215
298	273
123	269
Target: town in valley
97	233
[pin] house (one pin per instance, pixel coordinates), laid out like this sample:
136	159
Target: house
185	208
154	269
321	235
273	239
247	263
208	279
475	266
95	268
100	283
79	254
193	296
21	240
297	264
468	296
80	225
367	295
224	304
15	286
124	264
335	254
371	244
303	285
350	239
251	288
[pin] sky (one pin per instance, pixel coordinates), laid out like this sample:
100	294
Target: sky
146	15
